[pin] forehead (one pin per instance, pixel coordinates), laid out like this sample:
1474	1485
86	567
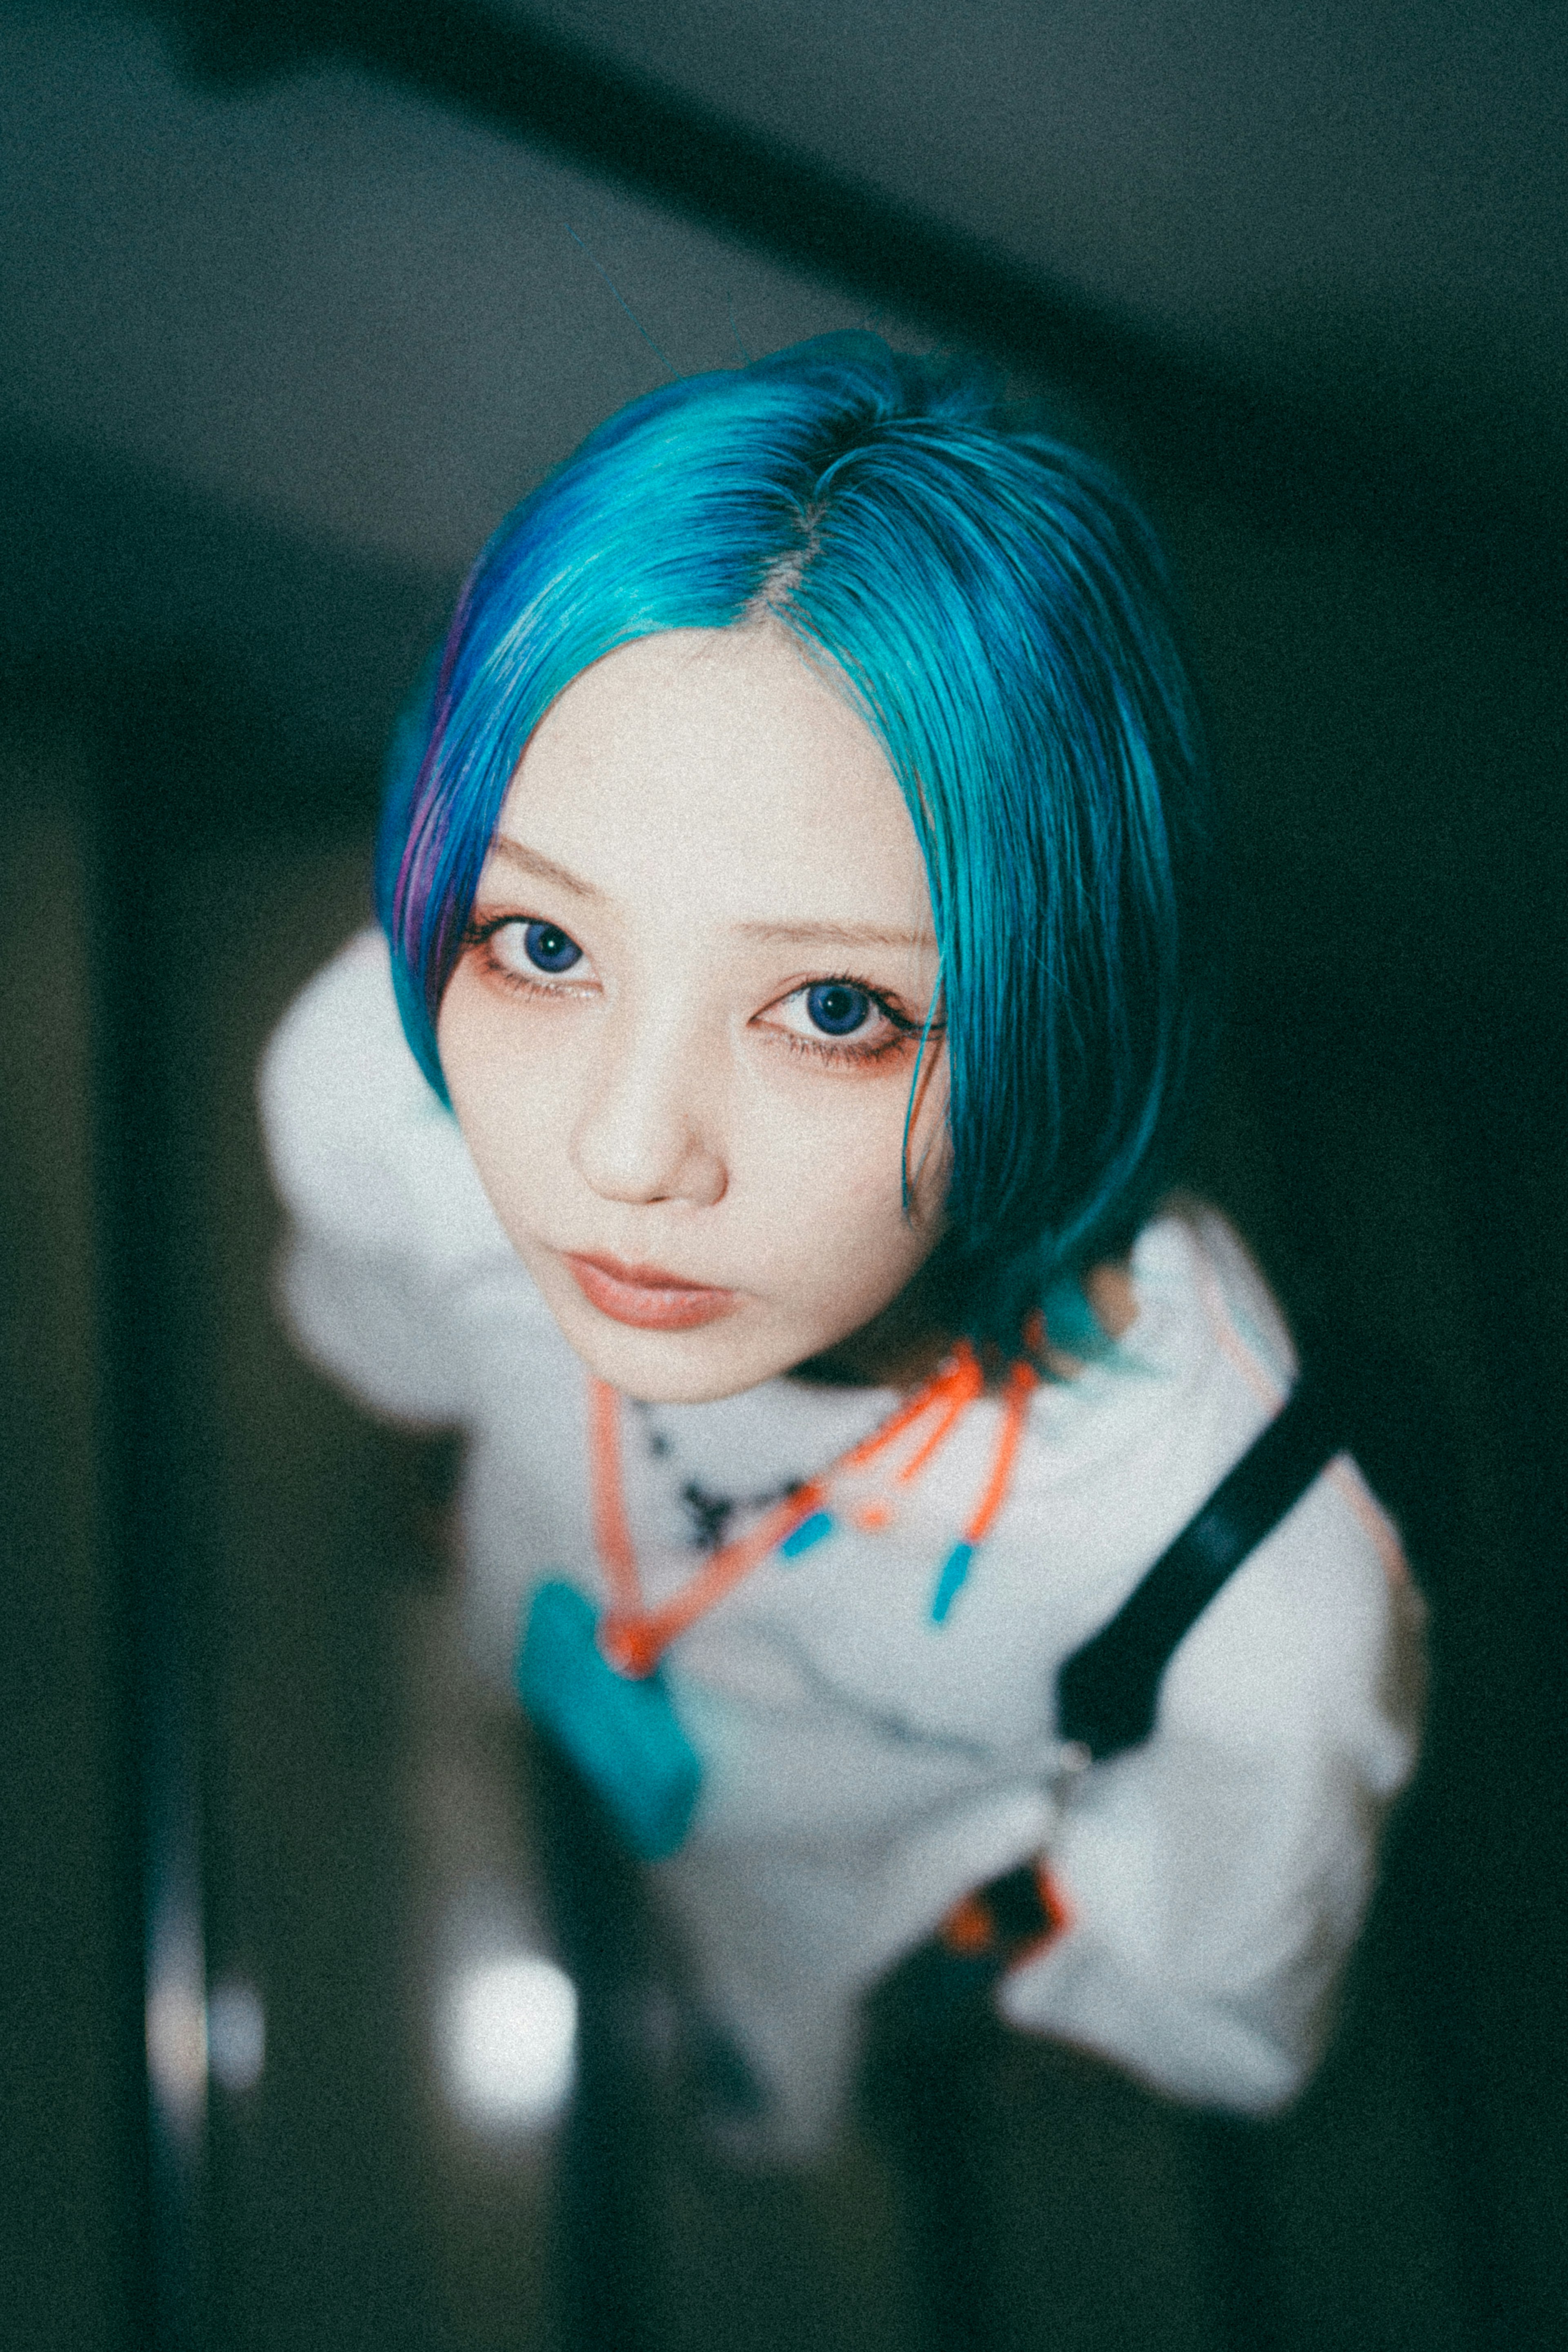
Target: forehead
720	768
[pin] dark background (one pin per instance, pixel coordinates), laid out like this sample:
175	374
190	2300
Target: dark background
297	302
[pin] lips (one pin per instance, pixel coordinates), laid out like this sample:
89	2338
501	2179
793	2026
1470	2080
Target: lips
647	1297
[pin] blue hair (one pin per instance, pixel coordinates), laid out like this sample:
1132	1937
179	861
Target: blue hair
998	612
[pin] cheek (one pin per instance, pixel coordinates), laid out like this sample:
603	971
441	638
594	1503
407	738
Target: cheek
509	1103
827	1189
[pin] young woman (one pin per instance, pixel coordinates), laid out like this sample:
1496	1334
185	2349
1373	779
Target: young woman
753	1124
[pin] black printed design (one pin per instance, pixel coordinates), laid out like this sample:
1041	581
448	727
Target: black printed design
708	1514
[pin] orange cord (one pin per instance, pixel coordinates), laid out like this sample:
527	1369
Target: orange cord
970	1928
1022	1381
968	1383
634	1638
612	1536
953	1373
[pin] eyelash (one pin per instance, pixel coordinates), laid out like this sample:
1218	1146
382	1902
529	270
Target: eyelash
477	939
821	1049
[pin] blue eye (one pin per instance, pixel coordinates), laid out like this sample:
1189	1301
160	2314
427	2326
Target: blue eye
550	949
836	1008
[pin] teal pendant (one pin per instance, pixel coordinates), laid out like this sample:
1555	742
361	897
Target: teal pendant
625	1738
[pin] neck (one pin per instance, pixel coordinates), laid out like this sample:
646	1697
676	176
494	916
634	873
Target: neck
904	1344
899	1348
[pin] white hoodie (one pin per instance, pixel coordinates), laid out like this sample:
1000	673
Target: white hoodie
864	1768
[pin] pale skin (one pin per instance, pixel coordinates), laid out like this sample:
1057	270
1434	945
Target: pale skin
682	1038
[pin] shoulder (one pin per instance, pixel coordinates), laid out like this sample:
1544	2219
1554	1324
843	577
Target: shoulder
339	1053
1244	1327
1160	1414
365	1154
1321	1619
1142	1438
1198	1284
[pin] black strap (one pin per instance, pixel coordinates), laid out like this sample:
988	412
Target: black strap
1107	1691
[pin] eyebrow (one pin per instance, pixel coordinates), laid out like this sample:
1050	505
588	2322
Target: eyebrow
852	935
544	869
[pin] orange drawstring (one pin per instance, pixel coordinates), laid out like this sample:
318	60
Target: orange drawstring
634	1638
612	1536
968	1383
1022	1381
954	1372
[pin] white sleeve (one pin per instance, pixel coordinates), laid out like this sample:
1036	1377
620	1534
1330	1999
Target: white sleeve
386	1214
1216	1878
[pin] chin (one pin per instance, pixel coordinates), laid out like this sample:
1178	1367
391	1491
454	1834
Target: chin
722	1358
671	1367
691	1367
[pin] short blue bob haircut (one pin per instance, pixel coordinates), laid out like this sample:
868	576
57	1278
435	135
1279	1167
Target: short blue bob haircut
996	609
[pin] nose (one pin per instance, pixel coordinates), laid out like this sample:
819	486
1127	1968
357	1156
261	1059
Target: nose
649	1127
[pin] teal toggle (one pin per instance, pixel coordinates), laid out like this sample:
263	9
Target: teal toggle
950	1583
820	1525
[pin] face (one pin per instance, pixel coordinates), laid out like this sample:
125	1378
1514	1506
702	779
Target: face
682	1034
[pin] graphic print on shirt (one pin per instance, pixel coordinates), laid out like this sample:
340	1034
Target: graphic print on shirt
707	1513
